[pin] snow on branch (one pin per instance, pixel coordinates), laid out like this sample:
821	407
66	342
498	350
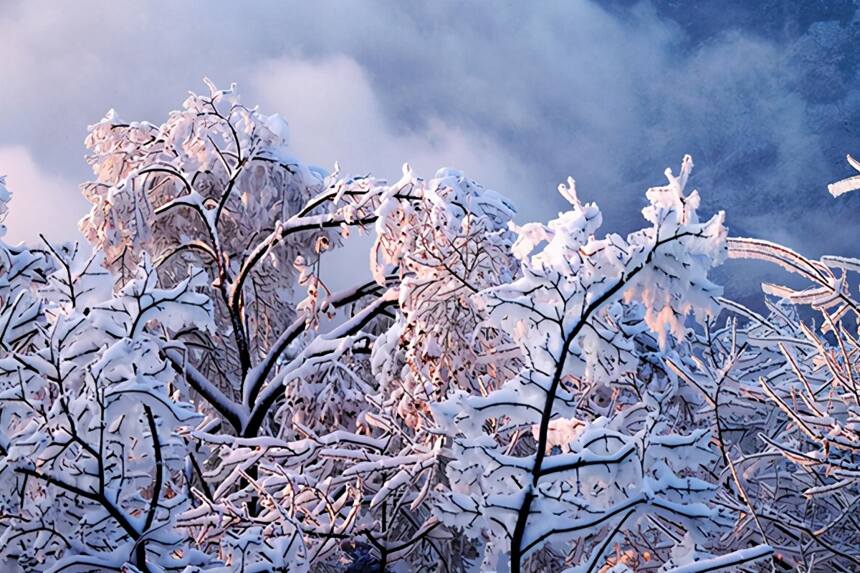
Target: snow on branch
849	184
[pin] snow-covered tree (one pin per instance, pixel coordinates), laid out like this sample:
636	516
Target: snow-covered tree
782	390
582	443
93	458
189	394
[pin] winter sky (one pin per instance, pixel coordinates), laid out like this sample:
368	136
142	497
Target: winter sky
764	95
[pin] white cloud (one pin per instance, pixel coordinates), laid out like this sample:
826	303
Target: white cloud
335	115
41	202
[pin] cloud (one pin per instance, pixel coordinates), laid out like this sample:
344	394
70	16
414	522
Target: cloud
335	115
612	97
41	202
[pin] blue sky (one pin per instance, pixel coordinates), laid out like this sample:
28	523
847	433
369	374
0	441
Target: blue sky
764	95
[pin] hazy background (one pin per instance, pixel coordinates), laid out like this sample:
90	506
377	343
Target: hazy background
764	95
